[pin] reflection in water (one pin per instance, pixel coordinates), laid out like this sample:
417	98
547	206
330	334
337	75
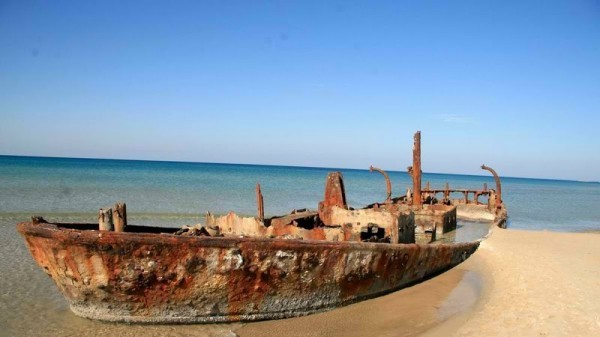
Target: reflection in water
467	231
464	295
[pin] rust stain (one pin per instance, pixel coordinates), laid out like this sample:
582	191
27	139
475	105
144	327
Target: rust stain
143	275
335	195
498	186
388	184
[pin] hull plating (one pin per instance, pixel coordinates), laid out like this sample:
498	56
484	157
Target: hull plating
162	278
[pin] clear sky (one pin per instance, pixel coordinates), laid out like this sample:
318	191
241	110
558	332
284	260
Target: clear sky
512	84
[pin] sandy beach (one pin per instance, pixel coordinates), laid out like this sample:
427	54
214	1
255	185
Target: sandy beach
519	283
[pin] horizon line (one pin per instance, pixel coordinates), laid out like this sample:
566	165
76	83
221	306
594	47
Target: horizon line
292	166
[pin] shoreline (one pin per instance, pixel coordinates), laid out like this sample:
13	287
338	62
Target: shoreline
407	312
539	283
518	283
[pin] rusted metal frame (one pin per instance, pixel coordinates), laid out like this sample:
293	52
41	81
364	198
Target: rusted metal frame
479	193
415	170
260	207
447	192
456	190
434	192
388	184
498	185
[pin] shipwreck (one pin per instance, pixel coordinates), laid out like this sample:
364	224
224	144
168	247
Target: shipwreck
236	268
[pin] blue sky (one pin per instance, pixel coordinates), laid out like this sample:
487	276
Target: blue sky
514	85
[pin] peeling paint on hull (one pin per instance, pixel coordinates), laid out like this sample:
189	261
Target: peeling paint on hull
163	278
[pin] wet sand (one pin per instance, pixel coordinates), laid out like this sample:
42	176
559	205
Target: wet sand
519	283
407	312
535	284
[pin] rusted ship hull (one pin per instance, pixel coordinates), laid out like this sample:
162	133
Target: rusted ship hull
162	278
235	268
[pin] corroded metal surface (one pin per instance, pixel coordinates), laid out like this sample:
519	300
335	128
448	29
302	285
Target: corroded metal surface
415	170
388	183
260	207
335	195
143	277
498	186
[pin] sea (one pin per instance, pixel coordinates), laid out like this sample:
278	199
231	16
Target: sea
179	193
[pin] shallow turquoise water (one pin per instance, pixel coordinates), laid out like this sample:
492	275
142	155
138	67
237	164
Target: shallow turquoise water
175	192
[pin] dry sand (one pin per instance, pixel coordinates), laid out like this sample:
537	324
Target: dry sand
519	283
537	284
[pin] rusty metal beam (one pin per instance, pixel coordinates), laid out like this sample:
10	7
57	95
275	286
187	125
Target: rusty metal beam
447	192
388	184
498	185
260	205
416	169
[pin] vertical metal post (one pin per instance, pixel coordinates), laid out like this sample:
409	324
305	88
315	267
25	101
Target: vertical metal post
119	215
447	192
416	170
260	206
